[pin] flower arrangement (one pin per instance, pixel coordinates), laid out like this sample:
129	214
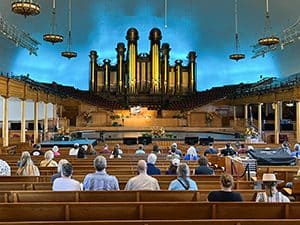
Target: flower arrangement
158	132
251	132
87	116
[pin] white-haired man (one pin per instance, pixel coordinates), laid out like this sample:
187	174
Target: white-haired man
100	180
151	168
142	181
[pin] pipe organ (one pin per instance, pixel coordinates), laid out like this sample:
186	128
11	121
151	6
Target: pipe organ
136	74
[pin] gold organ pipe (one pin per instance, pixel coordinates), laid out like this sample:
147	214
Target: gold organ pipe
192	71
93	71
120	62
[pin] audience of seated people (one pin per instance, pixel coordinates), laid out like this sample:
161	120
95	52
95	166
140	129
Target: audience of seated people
172	170
151	168
183	181
26	166
37	150
58	174
142	181
191	153
48	161
228	150
271	194
140	150
74	151
100	180
4	168
203	168
225	194
210	150
65	182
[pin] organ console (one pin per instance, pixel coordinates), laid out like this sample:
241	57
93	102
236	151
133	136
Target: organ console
144	73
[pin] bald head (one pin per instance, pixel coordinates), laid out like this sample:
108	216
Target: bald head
142	166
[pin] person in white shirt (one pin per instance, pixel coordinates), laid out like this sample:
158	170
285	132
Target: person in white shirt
142	181
4	168
65	182
74	151
271	194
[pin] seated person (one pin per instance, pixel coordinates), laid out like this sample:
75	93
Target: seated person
210	150
142	181
225	194
65	182
26	166
151	168
203	168
175	150
4	168
74	151
271	193
48	161
55	150
37	150
105	149
116	152
58	174
100	180
242	149
296	152
90	150
172	170
228	150
183	181
82	152
285	147
140	150
156	149
191	154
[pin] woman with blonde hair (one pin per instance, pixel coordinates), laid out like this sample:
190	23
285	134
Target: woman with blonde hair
226	194
48	161
26	166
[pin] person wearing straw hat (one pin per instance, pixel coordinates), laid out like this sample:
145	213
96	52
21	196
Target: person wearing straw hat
271	194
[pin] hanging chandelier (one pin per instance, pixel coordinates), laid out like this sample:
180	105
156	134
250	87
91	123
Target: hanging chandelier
268	39
236	56
69	54
53	37
25	8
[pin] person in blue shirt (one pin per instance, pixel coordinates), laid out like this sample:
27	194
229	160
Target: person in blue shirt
296	152
203	168
183	181
151	168
210	150
191	154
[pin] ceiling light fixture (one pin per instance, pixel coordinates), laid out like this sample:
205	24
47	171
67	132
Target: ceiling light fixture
25	8
53	37
268	39
69	54
236	56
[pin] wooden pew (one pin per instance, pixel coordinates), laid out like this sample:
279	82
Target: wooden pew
165	222
86	211
113	196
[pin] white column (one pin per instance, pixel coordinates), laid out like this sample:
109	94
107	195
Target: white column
23	121
36	122
259	122
5	134
246	114
298	122
276	122
45	119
